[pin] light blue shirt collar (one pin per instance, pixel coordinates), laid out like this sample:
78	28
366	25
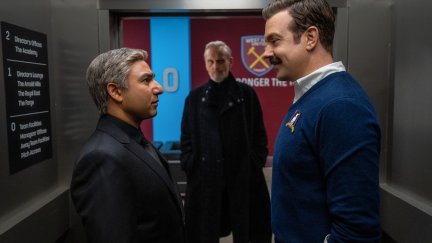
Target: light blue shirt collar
302	85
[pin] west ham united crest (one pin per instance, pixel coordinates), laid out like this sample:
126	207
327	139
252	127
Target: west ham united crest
252	52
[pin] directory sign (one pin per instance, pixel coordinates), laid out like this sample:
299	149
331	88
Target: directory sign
25	68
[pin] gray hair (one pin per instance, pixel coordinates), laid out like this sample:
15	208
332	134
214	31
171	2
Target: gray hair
111	67
220	46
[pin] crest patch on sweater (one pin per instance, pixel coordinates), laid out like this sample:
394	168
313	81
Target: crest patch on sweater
291	123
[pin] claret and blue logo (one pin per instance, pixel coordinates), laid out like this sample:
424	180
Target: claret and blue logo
252	55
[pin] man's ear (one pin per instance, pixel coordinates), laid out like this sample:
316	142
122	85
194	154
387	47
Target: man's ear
231	61
114	92
312	37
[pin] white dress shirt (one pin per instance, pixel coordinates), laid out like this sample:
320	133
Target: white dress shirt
302	85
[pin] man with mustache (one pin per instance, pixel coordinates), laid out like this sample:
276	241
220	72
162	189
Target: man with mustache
223	151
121	185
325	185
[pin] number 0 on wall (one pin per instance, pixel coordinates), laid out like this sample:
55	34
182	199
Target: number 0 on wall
170	85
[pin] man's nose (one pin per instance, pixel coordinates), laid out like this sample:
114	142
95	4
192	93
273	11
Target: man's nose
268	52
214	66
157	89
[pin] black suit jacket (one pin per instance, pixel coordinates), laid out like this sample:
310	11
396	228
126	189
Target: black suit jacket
122	193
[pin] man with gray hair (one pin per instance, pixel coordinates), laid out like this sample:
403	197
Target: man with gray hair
223	151
121	185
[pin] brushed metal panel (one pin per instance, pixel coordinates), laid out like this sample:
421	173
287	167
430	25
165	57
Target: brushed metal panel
340	42
411	166
17	189
156	5
369	58
192	5
407	196
28	210
76	44
405	218
46	224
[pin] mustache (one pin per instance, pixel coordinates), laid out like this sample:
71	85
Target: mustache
275	60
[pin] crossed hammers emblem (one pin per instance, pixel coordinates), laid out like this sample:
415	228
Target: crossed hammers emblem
259	58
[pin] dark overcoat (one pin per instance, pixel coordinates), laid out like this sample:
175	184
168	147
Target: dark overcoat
244	146
122	193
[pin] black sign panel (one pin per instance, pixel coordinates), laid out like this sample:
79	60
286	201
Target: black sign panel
25	65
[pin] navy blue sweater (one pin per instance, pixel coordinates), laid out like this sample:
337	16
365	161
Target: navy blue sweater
325	167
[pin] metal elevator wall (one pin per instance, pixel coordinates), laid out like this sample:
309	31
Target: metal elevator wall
406	191
34	202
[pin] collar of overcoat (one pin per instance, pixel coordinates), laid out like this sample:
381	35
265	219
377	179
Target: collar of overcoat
235	95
